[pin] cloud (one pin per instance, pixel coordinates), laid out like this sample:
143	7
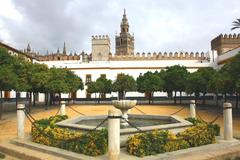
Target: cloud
158	25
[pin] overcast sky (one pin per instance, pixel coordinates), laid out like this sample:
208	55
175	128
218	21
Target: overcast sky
158	25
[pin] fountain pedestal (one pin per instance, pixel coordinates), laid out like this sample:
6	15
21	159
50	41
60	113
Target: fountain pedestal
124	106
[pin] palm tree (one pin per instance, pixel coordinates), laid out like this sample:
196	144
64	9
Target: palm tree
236	24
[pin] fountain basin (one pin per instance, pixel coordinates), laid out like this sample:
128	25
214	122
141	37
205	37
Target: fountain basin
143	122
124	104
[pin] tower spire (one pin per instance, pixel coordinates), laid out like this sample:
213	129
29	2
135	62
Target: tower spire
64	48
28	48
124	23
125	41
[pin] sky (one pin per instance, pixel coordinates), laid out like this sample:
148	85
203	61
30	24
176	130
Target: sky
158	25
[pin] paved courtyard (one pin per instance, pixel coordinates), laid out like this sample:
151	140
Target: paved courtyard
8	125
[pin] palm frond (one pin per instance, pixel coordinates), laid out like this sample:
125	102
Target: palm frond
236	24
233	28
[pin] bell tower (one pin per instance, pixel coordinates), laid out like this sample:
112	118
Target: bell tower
125	41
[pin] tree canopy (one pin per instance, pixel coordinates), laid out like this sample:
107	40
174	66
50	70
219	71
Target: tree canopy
175	78
149	83
124	83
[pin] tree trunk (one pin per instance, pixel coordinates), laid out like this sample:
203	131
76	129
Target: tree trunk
95	98
225	97
99	96
152	97
50	98
203	102
149	98
16	99
34	99
180	97
69	98
237	99
46	100
1	105
30	102
216	99
175	96
59	100
195	98
121	95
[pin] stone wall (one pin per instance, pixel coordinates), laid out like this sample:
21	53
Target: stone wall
225	43
162	56
100	48
58	57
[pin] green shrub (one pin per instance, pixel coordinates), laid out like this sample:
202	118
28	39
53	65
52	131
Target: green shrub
198	135
2	156
196	121
91	143
160	141
215	127
51	121
154	142
175	144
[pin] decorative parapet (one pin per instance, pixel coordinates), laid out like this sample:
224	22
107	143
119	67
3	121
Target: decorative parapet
58	57
96	37
161	56
226	42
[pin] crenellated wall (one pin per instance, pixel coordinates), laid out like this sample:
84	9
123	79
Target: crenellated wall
57	57
161	56
225	43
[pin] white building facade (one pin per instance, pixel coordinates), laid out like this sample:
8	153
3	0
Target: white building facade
101	61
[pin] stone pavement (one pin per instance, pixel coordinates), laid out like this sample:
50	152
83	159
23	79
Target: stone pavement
8	126
33	151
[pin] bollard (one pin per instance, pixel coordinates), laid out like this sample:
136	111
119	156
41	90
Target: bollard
114	134
192	109
227	120
63	108
21	121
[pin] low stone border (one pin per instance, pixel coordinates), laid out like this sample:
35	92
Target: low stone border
218	151
178	123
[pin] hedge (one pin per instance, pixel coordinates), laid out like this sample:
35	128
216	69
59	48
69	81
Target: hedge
93	143
196	121
160	141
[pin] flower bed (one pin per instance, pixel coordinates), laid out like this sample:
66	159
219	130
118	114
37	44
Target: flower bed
160	141
196	121
46	132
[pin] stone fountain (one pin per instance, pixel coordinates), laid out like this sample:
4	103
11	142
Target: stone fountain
124	106
144	122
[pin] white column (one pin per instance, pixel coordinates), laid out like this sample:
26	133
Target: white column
192	109
227	120
20	121
114	134
63	108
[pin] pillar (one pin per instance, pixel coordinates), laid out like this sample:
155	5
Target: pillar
227	121
20	121
192	109
114	134
63	108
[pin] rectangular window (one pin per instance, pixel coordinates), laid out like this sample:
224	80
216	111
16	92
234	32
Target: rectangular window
88	78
